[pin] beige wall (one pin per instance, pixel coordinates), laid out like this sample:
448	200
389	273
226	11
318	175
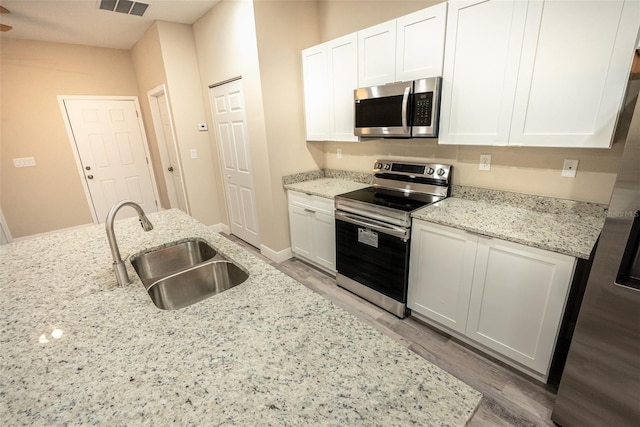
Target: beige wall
186	99
49	196
283	29
166	54
525	170
149	71
338	18
227	48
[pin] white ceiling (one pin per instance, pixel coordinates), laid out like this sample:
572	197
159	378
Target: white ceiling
83	22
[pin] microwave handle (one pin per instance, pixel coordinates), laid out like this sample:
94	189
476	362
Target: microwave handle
405	104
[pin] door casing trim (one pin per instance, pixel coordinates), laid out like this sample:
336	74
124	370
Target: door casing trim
155	117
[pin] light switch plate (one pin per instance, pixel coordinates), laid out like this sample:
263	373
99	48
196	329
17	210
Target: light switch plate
569	168
194	153
23	162
485	162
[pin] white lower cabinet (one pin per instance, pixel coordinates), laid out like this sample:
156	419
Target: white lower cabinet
505	298
312	228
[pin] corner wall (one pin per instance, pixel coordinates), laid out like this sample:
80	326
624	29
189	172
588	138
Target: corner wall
149	68
226	48
50	195
283	29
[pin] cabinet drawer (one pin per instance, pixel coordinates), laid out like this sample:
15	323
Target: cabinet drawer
309	201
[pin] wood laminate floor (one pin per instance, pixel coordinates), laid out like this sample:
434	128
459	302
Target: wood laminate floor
510	397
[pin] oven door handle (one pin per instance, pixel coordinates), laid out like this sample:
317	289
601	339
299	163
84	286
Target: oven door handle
381	227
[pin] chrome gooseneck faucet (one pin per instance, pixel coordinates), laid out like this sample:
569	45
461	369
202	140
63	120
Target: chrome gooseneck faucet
118	265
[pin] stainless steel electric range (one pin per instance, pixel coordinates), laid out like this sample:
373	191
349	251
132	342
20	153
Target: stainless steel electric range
373	229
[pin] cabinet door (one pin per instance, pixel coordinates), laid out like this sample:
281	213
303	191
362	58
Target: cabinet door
517	300
316	93
482	50
574	71
342	62
301	229
441	273
376	54
325	238
420	43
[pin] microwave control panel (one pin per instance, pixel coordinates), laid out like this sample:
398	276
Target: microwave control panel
422	108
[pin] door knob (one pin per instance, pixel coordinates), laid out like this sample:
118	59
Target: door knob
90	176
170	168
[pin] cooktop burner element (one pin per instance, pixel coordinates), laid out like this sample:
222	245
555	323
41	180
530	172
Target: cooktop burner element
392	199
399	188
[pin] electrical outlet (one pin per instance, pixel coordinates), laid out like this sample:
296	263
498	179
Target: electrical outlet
485	162
569	168
339	153
194	153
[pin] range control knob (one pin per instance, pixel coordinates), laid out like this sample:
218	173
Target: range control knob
440	172
378	165
429	171
387	166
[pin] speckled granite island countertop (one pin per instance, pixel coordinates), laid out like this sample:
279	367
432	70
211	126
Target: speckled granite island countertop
78	350
327	183
563	226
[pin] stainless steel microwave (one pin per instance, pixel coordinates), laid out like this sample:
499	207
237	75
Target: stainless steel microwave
398	110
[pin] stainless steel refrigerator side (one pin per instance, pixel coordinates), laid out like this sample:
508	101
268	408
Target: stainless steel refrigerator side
600	385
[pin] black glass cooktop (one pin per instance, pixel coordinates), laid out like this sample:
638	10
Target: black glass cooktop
392	199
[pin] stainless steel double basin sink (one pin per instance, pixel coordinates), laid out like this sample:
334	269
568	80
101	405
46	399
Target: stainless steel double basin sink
182	273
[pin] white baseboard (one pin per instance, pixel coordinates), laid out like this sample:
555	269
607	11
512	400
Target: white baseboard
220	228
276	256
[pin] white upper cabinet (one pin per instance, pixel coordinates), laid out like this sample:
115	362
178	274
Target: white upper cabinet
316	95
410	47
376	54
483	44
576	57
549	73
342	67
420	43
407	48
330	75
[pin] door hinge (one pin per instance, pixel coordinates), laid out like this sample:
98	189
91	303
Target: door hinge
137	115
156	203
147	159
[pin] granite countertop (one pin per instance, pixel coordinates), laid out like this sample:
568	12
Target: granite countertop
327	183
563	226
326	187
77	349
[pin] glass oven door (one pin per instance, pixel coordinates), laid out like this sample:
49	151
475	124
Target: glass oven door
373	254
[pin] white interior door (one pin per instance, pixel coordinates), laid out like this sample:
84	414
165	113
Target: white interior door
227	106
171	167
110	146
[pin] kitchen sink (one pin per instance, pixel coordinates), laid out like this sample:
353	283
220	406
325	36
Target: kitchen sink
195	284
182	273
166	260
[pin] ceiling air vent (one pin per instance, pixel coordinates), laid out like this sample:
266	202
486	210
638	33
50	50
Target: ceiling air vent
124	6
